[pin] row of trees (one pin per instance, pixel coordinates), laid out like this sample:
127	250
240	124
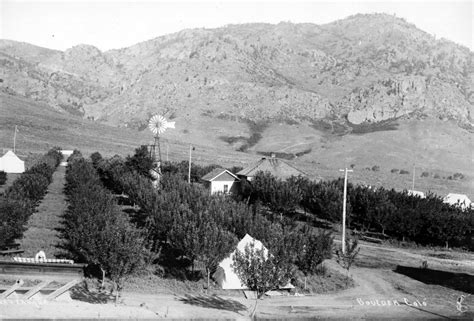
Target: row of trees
206	228
95	229
427	221
21	198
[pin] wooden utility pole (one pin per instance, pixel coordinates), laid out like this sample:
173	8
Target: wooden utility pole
413	181
14	139
344	209
189	169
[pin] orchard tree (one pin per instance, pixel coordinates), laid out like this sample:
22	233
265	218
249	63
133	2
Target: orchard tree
141	161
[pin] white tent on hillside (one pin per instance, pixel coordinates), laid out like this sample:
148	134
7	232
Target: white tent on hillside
225	275
10	163
460	200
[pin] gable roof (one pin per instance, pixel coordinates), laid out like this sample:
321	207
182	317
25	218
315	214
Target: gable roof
11	156
216	173
275	166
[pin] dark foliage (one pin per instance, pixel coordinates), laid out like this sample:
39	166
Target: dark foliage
20	199
3	178
95	229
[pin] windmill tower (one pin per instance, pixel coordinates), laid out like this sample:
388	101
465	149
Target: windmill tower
157	125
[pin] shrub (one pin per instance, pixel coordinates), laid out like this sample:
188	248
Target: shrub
404	172
375	168
3	178
394	170
425	174
458	176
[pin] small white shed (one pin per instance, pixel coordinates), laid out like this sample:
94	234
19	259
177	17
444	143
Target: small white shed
460	200
10	163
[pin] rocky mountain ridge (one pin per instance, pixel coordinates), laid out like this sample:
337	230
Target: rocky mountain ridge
360	70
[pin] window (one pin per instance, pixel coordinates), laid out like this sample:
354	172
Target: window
226	189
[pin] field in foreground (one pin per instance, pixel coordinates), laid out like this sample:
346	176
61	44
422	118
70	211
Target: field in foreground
381	275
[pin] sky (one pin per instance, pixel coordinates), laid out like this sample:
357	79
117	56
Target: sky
113	24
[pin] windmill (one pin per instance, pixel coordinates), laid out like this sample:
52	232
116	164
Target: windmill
157	125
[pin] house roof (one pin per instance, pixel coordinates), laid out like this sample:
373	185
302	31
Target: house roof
216	173
453	197
275	166
416	193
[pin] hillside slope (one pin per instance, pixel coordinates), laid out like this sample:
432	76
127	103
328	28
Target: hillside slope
365	68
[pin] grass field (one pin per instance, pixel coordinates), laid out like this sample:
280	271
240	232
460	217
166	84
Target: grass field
41	233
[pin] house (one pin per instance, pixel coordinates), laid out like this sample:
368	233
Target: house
66	154
273	165
460	200
416	193
225	276
220	181
10	163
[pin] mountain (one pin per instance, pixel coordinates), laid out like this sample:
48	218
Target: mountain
371	91
365	68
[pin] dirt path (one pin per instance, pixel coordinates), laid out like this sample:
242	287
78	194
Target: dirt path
41	233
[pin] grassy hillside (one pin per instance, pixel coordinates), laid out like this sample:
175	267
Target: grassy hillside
42	127
440	149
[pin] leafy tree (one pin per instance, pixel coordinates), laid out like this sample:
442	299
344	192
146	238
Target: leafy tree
96	158
141	161
347	259
95	229
260	271
316	249
13	217
3	178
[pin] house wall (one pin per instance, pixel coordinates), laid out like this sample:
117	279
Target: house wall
218	186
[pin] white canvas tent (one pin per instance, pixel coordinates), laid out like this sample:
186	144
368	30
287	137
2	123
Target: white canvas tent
10	163
458	199
225	275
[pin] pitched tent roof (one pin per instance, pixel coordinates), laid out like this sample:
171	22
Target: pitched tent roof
275	166
10	163
224	174
454	199
225	275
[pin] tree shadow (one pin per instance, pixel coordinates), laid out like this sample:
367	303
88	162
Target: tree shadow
214	302
456	281
81	293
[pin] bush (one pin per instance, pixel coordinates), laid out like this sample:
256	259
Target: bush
404	172
394	170
3	178
375	168
425	174
458	176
